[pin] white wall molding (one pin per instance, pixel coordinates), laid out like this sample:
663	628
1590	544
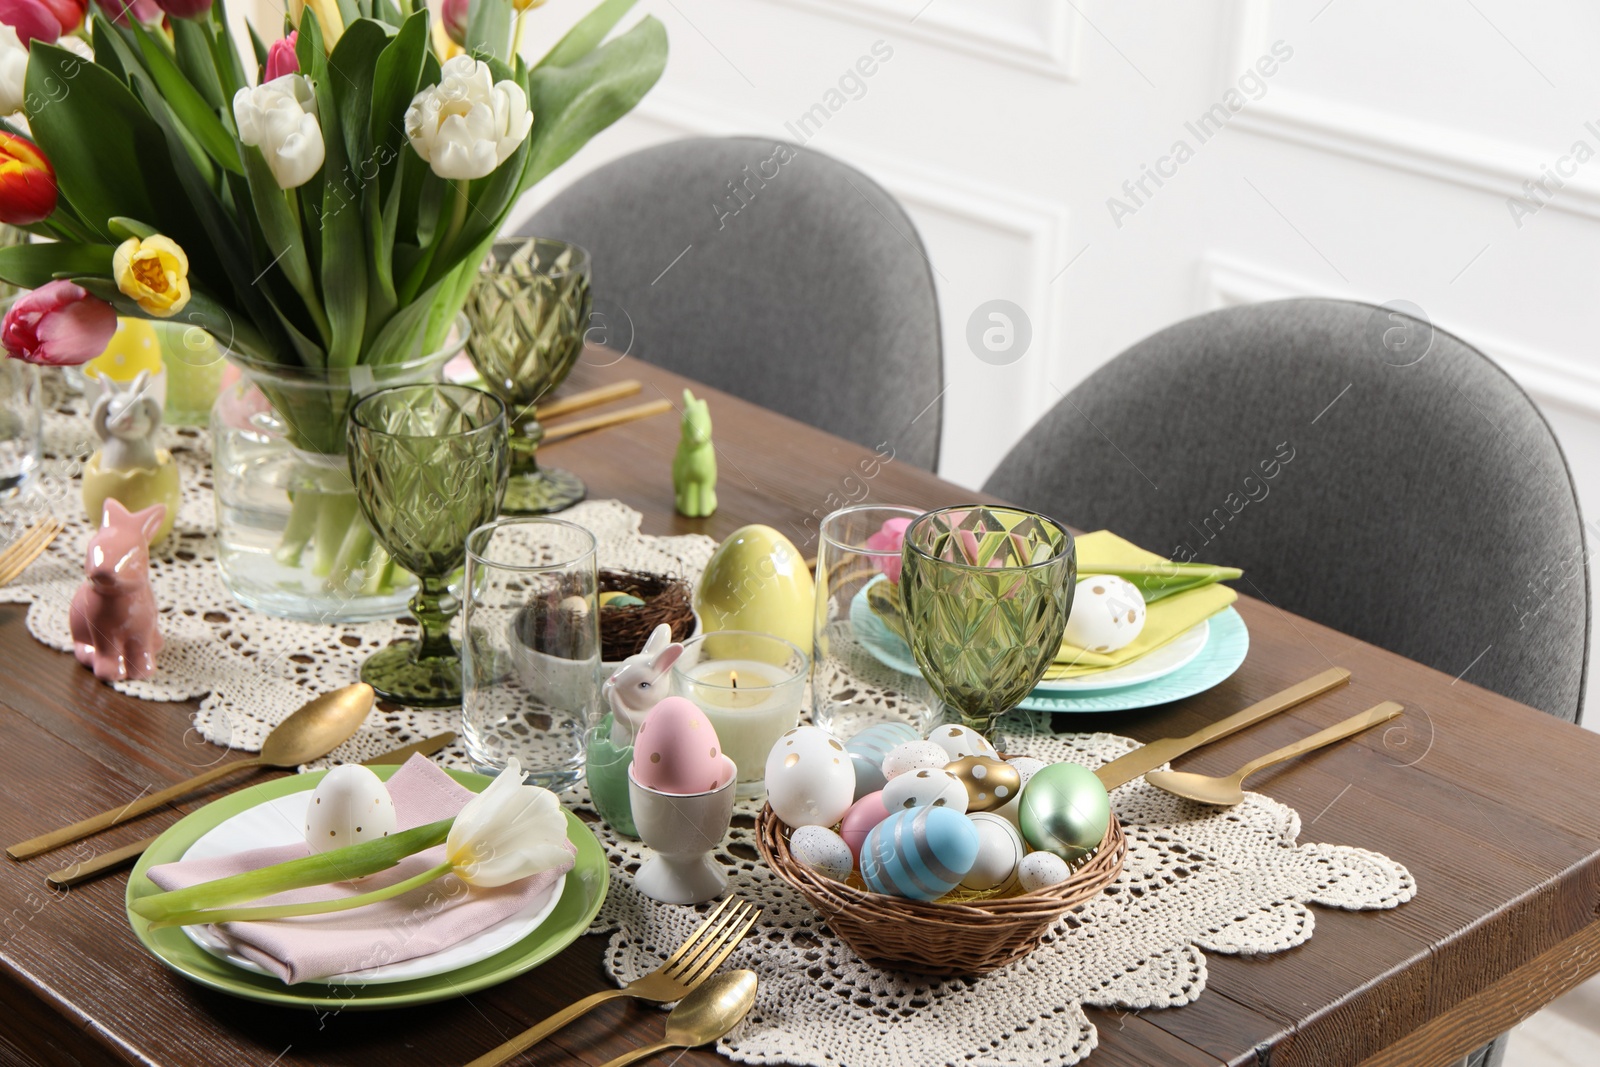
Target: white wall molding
1038	35
1564	381
1485	164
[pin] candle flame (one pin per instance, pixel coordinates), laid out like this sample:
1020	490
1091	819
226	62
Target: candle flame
733	679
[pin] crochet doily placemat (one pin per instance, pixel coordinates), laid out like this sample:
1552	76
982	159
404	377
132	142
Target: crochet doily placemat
1196	880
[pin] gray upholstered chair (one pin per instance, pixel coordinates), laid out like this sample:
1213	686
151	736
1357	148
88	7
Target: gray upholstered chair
1365	469
771	271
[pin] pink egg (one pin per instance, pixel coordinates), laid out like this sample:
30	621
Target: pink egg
863	815
677	751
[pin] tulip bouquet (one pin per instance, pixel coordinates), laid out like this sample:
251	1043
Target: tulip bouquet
320	211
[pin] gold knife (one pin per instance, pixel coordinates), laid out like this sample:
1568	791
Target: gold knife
1125	769
79	873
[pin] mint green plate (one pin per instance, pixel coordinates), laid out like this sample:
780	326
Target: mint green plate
580	900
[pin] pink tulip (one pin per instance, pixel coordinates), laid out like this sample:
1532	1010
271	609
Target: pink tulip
58	324
891	536
31	19
455	14
145	12
185	9
281	58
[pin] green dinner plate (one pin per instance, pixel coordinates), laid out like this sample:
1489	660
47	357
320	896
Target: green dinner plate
580	900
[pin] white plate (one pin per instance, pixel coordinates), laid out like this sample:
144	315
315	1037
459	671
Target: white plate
278	822
1172	656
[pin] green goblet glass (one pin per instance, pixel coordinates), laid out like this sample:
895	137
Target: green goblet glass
529	310
429	466
986	593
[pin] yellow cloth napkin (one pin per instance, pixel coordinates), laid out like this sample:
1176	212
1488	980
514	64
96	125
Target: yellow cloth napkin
1165	618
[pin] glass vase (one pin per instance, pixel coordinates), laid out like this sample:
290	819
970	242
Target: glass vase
291	541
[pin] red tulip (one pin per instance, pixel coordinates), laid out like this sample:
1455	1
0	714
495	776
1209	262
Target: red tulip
455	14
281	58
58	324
31	19
185	9
27	182
69	13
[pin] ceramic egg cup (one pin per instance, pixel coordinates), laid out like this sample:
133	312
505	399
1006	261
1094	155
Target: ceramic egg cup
682	830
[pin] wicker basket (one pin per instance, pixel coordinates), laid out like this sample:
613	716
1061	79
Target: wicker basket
940	939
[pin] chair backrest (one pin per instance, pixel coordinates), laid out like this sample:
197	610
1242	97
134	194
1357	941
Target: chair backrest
773	272
1365	469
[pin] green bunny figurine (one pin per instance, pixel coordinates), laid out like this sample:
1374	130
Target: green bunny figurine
694	468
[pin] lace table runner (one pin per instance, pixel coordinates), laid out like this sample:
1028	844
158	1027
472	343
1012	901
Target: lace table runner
1196	880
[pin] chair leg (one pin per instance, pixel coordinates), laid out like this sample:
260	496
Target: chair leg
1491	1055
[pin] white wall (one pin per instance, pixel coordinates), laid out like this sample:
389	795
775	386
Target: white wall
1375	162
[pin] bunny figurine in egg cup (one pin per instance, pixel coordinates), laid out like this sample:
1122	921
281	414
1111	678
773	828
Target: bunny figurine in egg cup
635	687
128	467
681	789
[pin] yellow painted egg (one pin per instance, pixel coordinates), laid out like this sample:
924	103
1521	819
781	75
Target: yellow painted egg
757	580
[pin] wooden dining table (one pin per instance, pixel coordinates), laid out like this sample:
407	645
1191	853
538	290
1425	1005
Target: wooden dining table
1493	806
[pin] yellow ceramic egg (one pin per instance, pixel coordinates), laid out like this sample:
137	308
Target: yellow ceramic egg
133	348
757	580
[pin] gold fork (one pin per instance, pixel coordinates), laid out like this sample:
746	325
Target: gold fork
701	953
16	556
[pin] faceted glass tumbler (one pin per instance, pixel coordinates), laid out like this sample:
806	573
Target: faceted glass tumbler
531	648
529	310
986	593
429	466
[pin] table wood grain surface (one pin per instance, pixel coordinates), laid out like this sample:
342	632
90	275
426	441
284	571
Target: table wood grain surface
1493	806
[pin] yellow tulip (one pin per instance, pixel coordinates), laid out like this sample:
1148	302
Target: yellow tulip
331	21
154	272
526	5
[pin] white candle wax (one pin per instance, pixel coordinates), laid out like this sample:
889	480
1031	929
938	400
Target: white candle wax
750	717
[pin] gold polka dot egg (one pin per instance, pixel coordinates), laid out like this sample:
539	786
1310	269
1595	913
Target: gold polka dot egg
1108	614
350	805
677	751
810	779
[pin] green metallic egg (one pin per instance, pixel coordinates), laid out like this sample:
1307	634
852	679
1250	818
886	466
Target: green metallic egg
1065	810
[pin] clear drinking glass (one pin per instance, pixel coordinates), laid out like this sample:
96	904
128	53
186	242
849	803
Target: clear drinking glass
986	592
529	310
19	426
530	652
858	597
429	467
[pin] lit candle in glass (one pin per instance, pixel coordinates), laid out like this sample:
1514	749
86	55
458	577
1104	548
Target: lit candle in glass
750	686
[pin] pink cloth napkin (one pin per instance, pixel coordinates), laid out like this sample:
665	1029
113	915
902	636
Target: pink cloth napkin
418	923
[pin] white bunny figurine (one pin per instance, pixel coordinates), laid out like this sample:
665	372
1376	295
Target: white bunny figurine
639	684
126	422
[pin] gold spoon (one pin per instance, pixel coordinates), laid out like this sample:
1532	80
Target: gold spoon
313	731
714	1008
1229	791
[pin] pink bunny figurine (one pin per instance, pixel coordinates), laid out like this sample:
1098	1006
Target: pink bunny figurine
114	612
639	684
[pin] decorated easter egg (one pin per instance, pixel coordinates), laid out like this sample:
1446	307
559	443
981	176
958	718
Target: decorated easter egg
990	783
958	741
350	805
1065	810
932	786
1040	869
863	815
823	851
1000	851
869	747
616	598
676	750
1011	810
810	780
921	854
914	756
757	580
1107	614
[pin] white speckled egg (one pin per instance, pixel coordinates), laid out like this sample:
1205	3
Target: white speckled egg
914	756
1026	766
1040	869
959	741
823	851
935	787
350	805
810	780
869	747
1000	850
1107	614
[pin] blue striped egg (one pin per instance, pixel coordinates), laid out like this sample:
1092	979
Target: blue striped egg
868	748
922	853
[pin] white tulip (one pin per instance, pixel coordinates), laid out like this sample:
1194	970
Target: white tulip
467	125
508	831
280	118
13	70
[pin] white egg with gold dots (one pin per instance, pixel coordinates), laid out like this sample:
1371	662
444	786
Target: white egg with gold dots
809	777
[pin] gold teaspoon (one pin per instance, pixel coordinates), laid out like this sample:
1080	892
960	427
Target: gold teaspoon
714	1008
